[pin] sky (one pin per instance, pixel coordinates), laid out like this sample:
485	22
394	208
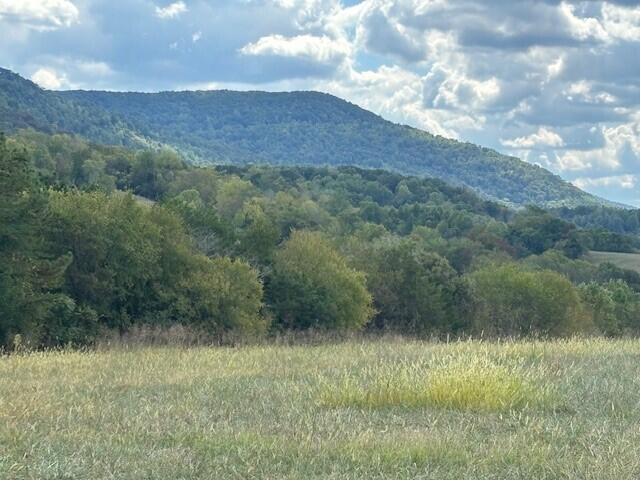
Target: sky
556	83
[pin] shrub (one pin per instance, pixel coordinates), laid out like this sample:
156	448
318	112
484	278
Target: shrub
415	291
513	301
313	287
614	305
221	295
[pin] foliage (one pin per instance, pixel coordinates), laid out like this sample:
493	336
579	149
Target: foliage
615	306
414	290
624	221
578	271
313	287
536	231
30	278
111	238
513	301
134	263
277	129
221	295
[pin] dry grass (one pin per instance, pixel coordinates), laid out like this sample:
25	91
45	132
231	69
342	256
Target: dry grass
375	410
630	261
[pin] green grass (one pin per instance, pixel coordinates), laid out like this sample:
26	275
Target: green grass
630	261
386	409
460	382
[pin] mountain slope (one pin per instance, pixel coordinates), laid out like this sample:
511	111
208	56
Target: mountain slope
278	128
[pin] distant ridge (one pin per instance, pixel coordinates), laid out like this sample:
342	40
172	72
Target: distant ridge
305	128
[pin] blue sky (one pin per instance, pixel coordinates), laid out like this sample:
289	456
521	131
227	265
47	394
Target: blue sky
555	83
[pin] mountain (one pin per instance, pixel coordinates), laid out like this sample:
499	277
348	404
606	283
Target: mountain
296	128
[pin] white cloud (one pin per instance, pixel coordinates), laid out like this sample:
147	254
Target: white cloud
554	69
320	49
171	11
582	28
49	79
544	137
621	22
196	36
584	91
309	13
447	88
40	14
621	145
627	181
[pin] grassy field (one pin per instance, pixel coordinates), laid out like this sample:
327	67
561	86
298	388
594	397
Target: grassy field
629	261
366	410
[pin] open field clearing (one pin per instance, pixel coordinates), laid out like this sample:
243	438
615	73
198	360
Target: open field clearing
630	261
385	409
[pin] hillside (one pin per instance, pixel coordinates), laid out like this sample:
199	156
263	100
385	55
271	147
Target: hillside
278	128
126	238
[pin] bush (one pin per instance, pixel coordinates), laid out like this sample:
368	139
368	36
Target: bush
221	295
513	301
578	271
312	286
614	305
415	291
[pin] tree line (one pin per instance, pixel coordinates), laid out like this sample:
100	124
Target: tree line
97	239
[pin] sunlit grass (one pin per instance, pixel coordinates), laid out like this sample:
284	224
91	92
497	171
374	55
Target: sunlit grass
390	409
474	383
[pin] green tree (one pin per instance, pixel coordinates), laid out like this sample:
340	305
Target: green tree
153	172
134	263
212	235
258	234
220	295
535	231
513	301
313	287
415	291
615	306
30	277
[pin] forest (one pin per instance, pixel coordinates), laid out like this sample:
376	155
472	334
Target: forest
289	129
99	240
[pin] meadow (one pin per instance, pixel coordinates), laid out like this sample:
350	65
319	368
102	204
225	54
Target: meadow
630	261
383	409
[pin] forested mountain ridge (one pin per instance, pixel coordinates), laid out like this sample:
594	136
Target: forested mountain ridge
296	128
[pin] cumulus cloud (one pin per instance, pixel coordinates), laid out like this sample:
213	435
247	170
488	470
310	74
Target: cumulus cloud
621	22
172	10
40	14
447	88
321	49
544	137
49	79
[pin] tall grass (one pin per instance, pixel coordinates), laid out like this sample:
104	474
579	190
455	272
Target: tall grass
389	409
475	384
